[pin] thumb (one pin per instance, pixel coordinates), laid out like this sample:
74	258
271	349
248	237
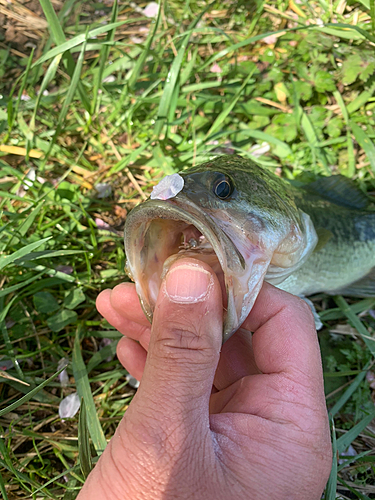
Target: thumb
185	344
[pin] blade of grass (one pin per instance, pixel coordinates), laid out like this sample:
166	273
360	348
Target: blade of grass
372	15
2	488
365	142
312	139
356	323
142	58
12	113
352	490
351	159
84	391
8	345
68	99
59	37
346	440
352	460
98	357
22	252
103	56
30	394
7	290
79	39
218	123
165	110
330	492
48	77
83	441
27	223
349	391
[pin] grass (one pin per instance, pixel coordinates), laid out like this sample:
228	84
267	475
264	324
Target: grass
112	97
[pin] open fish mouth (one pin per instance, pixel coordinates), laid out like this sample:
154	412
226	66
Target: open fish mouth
158	232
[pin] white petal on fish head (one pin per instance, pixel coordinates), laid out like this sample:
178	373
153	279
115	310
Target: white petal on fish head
168	187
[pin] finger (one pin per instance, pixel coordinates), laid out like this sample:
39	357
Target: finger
124	325
125	301
236	360
285	338
184	348
132	356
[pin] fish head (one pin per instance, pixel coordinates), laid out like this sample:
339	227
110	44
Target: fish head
235	216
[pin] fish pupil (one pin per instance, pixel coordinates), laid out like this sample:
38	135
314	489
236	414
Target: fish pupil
223	189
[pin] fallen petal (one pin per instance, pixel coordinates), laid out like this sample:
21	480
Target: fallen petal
167	187
103	189
215	68
151	10
69	406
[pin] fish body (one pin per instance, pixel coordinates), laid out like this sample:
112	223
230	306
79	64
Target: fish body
346	257
249	226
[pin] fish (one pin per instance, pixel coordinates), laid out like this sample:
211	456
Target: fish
252	226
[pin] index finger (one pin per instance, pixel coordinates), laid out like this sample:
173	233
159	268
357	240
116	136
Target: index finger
285	339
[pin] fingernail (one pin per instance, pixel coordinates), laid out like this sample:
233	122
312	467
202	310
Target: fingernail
188	283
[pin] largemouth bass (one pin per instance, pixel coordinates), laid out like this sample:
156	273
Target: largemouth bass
250	225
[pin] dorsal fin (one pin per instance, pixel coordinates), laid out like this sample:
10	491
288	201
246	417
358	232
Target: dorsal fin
339	190
365	287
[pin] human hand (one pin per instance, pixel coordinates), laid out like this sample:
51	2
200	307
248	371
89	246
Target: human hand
250	425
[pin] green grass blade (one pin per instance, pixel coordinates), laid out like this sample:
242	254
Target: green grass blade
142	58
330	492
9	289
349	391
69	98
84	391
372	14
53	21
165	110
85	459
30	394
346	440
352	490
218	123
312	139
340	102
14	111
48	77
59	37
365	142
27	223
103	56
79	40
2	488
171	82
98	357
356	323
22	252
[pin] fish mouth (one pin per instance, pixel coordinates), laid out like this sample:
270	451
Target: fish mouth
158	232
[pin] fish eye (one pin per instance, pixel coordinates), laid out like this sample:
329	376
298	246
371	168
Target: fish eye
223	187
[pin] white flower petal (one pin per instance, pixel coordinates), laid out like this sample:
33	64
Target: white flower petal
151	10
167	187
103	189
69	406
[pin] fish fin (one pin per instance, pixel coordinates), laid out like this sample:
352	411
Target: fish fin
340	190
365	287
318	323
324	235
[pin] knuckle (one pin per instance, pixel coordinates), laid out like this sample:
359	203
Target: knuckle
181	335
